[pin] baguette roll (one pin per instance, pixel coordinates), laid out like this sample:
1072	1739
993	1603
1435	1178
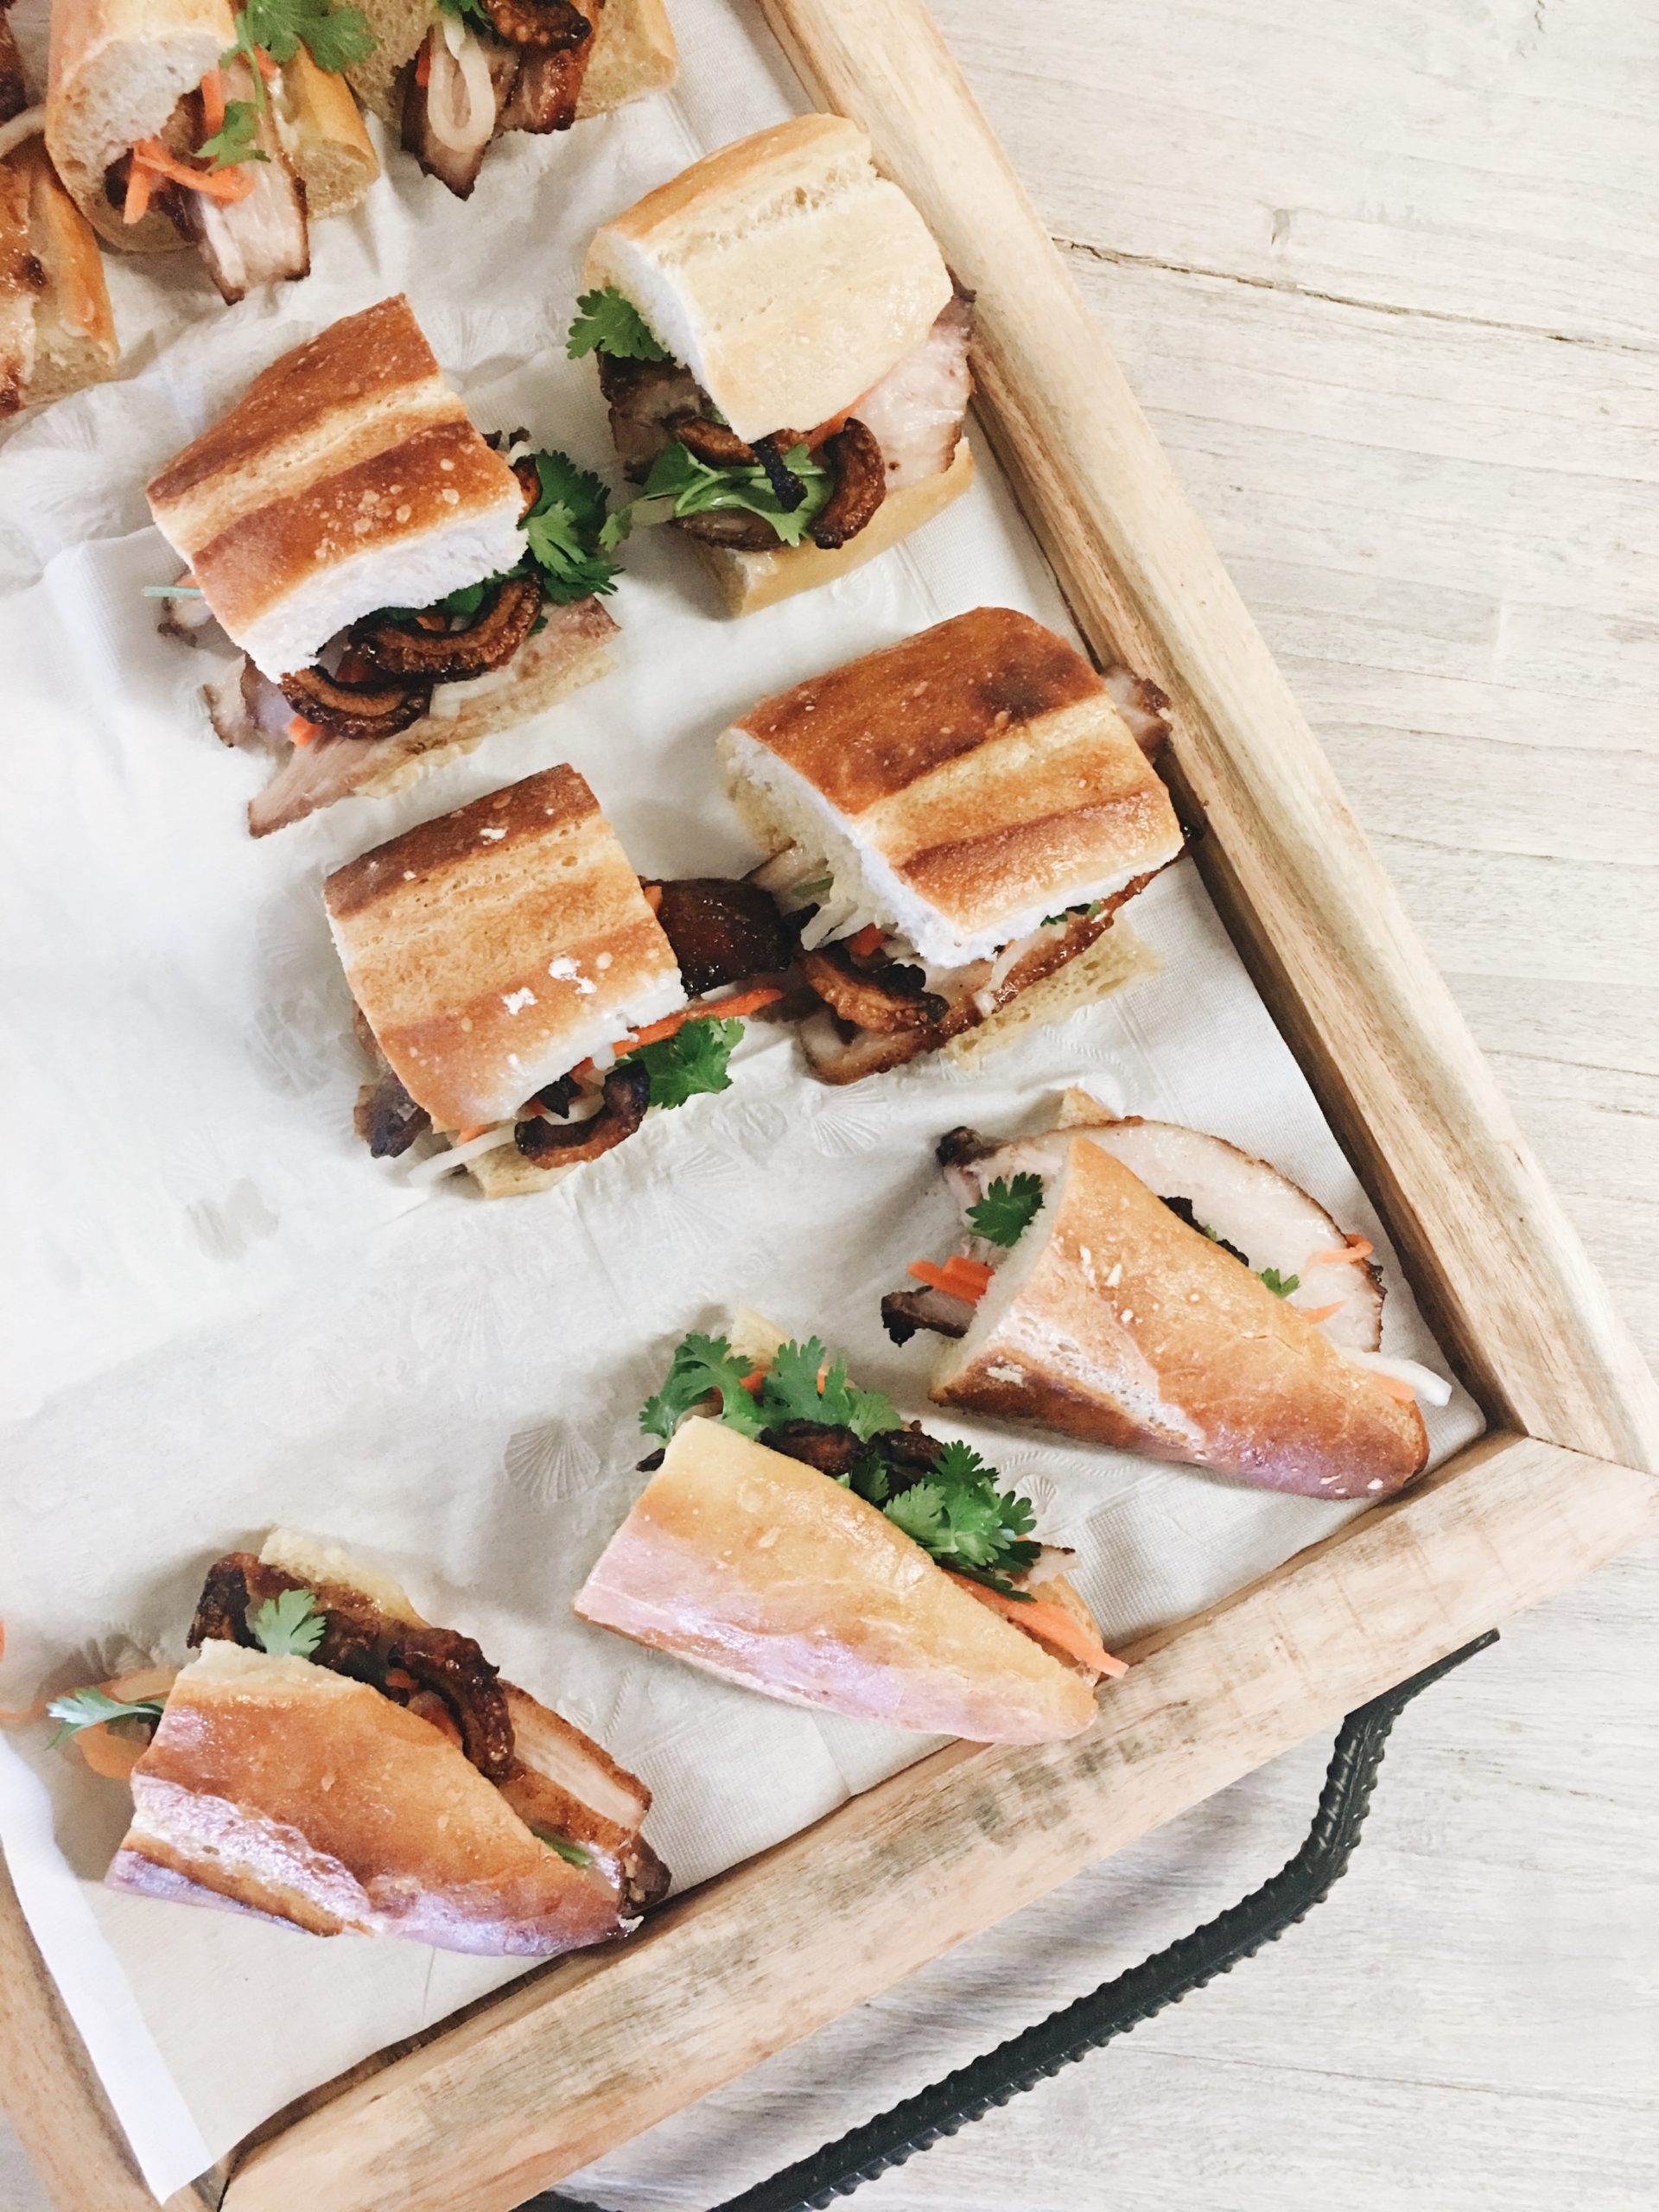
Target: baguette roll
493	949
783	271
118	69
348	477
767	1572
278	1786
1114	1321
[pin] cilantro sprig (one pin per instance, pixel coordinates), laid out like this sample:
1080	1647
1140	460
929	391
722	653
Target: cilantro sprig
333	37
1006	1211
1281	1286
288	1626
91	1707
576	1854
693	1060
681	484
956	1511
958	1515
606	322
565	530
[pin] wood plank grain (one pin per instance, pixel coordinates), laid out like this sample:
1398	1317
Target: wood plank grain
554	2074
53	2096
1491	1253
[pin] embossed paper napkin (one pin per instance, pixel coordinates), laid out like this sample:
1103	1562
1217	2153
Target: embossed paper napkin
222	1314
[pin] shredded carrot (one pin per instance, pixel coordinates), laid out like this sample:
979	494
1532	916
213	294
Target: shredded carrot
140	183
653	896
1356	1249
113	1756
973	1275
869	939
430	618
267	69
227	185
721	1009
399	1678
1048	1623
755	1377
423	67
1318	1314
212	102
301	732
934	1278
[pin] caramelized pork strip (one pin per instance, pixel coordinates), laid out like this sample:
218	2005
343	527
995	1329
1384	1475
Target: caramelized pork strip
504	620
861	485
626	1094
355	710
892	996
722	931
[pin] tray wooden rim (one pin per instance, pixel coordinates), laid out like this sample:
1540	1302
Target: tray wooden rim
484	2111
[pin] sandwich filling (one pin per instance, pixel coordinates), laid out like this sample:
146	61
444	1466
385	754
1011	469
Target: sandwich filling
823	484
1245	1208
222	167
490	66
401	669
564	1788
724	934
794	1398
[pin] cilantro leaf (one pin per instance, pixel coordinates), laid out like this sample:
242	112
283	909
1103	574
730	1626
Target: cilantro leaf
702	1367
793	1391
288	1626
564	529
1089	909
236	140
1005	1212
468	11
608	321
574	1852
690	1062
958	1516
1281	1286
78	1709
334	37
680	484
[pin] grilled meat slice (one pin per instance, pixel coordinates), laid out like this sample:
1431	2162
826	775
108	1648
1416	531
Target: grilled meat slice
356	711
503	622
648	402
886	998
722	931
904	1311
626	1094
861	485
387	1118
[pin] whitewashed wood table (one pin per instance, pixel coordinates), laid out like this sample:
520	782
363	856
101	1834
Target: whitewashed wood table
1385	274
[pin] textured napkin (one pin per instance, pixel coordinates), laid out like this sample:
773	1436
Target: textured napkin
233	1316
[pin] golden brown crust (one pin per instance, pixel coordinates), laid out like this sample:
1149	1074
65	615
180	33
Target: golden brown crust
22	282
76	343
1127	1328
767	1572
983	760
397	494
480	945
378	354
298	1792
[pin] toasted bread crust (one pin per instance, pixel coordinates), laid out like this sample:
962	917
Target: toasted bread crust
483	946
765	1572
1125	1327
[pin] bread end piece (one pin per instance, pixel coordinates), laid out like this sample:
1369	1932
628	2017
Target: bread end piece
323	135
749	581
764	1572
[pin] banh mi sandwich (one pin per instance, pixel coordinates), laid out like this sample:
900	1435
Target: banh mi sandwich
452	76
56	330
180	122
400	586
798	1536
332	1760
950	823
1140	1285
527	997
784	357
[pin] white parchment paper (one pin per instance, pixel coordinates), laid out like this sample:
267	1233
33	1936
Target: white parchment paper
220	1313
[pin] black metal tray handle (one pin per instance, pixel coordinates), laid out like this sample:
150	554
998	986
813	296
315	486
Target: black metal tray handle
1117	2006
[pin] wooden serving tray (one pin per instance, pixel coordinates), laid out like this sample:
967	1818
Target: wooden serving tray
483	2111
